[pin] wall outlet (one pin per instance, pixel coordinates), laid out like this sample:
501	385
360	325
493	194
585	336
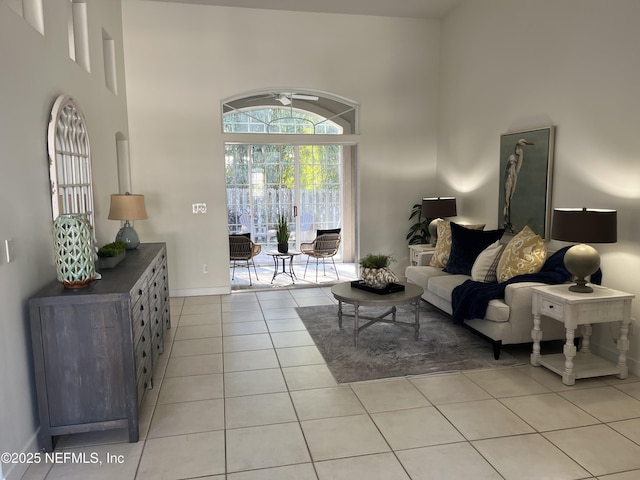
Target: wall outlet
199	208
205	268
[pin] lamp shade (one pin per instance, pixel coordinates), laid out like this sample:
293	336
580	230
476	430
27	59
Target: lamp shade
585	225
127	207
435	207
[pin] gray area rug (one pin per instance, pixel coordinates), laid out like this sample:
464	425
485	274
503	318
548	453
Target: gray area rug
385	350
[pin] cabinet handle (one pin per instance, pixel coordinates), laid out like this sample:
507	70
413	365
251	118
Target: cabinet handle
550	307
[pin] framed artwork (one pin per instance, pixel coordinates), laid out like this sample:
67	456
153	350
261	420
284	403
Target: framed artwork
526	164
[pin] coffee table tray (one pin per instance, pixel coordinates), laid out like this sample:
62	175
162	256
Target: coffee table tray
390	288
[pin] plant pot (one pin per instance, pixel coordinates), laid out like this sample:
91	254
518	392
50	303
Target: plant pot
73	245
378	277
110	262
283	247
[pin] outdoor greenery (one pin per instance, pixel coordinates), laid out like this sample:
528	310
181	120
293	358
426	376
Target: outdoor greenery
418	231
111	249
376	260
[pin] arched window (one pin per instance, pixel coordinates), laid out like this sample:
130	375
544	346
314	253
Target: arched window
69	160
278	120
289	113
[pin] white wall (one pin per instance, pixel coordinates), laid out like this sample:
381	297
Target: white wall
35	70
183	60
510	65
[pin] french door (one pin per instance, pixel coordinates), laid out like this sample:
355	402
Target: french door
303	182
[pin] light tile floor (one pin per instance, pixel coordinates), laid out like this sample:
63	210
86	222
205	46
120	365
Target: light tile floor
242	393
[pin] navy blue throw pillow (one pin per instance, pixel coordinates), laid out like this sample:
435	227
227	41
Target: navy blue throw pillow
466	245
331	230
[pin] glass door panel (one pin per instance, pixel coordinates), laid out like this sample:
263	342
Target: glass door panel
301	182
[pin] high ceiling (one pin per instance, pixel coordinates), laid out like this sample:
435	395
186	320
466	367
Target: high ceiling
384	8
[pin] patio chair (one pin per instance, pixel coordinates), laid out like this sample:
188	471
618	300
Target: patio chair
242	249
323	247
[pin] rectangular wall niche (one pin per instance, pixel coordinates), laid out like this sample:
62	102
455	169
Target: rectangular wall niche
79	34
30	10
109	55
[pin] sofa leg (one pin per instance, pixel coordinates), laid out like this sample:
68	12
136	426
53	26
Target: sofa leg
497	345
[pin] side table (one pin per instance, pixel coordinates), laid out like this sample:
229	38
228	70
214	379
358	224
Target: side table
416	251
604	305
284	256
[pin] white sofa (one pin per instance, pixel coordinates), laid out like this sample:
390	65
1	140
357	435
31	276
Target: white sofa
507	321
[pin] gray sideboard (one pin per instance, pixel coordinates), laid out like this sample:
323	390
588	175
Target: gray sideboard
95	348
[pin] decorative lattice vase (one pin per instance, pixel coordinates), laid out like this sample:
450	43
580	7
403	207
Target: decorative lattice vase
73	246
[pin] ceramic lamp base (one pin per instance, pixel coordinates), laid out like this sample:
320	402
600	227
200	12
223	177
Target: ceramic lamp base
129	236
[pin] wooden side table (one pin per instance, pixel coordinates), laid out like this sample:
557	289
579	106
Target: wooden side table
604	305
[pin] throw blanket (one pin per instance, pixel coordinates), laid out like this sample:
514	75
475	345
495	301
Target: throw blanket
470	300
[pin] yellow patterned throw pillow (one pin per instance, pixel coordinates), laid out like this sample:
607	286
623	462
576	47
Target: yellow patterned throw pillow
525	253
443	245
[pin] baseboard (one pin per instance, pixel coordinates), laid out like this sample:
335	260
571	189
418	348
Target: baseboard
198	292
17	470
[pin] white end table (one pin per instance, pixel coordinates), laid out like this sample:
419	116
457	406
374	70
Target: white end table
417	250
604	305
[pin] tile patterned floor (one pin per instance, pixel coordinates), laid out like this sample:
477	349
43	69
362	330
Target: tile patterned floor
242	393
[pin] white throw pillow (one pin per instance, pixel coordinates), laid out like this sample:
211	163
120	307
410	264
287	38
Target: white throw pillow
486	264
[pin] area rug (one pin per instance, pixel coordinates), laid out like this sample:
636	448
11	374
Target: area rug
386	350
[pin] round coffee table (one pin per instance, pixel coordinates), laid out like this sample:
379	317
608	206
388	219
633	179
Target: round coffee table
344	292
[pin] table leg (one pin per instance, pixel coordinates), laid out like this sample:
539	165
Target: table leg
569	377
623	347
585	346
417	326
356	321
275	268
536	335
292	274
339	313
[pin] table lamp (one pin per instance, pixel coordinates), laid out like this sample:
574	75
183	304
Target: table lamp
127	207
585	225
436	208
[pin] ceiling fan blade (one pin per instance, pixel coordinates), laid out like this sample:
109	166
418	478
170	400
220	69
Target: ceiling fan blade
300	96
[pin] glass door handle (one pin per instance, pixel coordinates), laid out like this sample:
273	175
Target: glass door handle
295	211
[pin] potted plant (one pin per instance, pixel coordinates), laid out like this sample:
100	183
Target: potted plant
419	231
282	234
375	272
111	254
